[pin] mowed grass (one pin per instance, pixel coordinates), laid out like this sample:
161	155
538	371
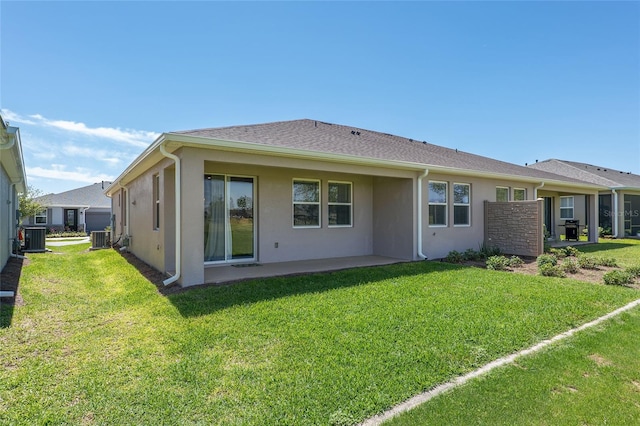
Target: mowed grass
95	343
592	378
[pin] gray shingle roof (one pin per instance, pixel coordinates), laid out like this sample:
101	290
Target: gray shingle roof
589	173
91	195
318	136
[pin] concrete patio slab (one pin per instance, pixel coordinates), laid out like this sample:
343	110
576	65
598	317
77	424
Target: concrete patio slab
237	272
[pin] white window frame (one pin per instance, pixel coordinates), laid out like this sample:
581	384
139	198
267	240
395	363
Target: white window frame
42	214
156	202
508	193
294	203
467	204
573	203
445	204
335	203
524	191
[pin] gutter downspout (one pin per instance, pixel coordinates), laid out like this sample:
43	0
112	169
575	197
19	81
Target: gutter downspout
535	190
615	213
420	178
178	196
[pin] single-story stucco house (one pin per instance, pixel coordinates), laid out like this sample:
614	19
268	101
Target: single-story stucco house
619	201
84	209
13	181
197	201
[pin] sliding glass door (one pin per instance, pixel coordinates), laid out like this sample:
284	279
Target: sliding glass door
229	226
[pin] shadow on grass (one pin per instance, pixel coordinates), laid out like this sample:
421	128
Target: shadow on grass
10	281
605	246
208	298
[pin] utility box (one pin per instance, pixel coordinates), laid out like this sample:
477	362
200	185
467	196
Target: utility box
100	239
34	239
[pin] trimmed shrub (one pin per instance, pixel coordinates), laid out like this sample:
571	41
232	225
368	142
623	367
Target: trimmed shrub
607	261
634	271
586	262
549	270
617	278
559	253
515	262
497	263
488	251
471	254
546	259
454	257
571	251
570	266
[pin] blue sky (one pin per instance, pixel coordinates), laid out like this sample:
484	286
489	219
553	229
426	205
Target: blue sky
91	84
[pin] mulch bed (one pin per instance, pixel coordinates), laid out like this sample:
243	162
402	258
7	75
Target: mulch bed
150	273
530	267
10	280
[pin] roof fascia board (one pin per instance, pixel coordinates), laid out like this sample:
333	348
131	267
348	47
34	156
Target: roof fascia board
290	152
235	146
67	206
115	185
199	141
625	188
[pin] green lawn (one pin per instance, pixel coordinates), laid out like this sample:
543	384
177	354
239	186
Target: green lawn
592	378
95	343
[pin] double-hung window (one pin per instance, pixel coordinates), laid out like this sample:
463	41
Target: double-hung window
306	203
566	207
437	203
461	204
502	193
41	217
519	194
340	204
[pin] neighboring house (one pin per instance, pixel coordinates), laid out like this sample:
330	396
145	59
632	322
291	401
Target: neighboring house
83	209
13	181
296	190
619	201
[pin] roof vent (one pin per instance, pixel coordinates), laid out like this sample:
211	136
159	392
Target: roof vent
353	132
424	142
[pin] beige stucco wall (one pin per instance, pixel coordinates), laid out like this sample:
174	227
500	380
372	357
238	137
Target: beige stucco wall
393	218
274	214
273	211
145	242
384	211
438	241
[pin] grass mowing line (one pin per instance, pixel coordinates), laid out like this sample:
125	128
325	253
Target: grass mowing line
460	380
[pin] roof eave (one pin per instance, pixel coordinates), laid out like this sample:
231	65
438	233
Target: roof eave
240	146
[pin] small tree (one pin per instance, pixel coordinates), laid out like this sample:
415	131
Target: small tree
28	205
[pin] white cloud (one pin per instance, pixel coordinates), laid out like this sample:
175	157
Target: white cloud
110	157
139	138
44	155
12	117
59	172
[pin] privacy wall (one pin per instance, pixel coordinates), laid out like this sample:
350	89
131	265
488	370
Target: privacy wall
515	227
